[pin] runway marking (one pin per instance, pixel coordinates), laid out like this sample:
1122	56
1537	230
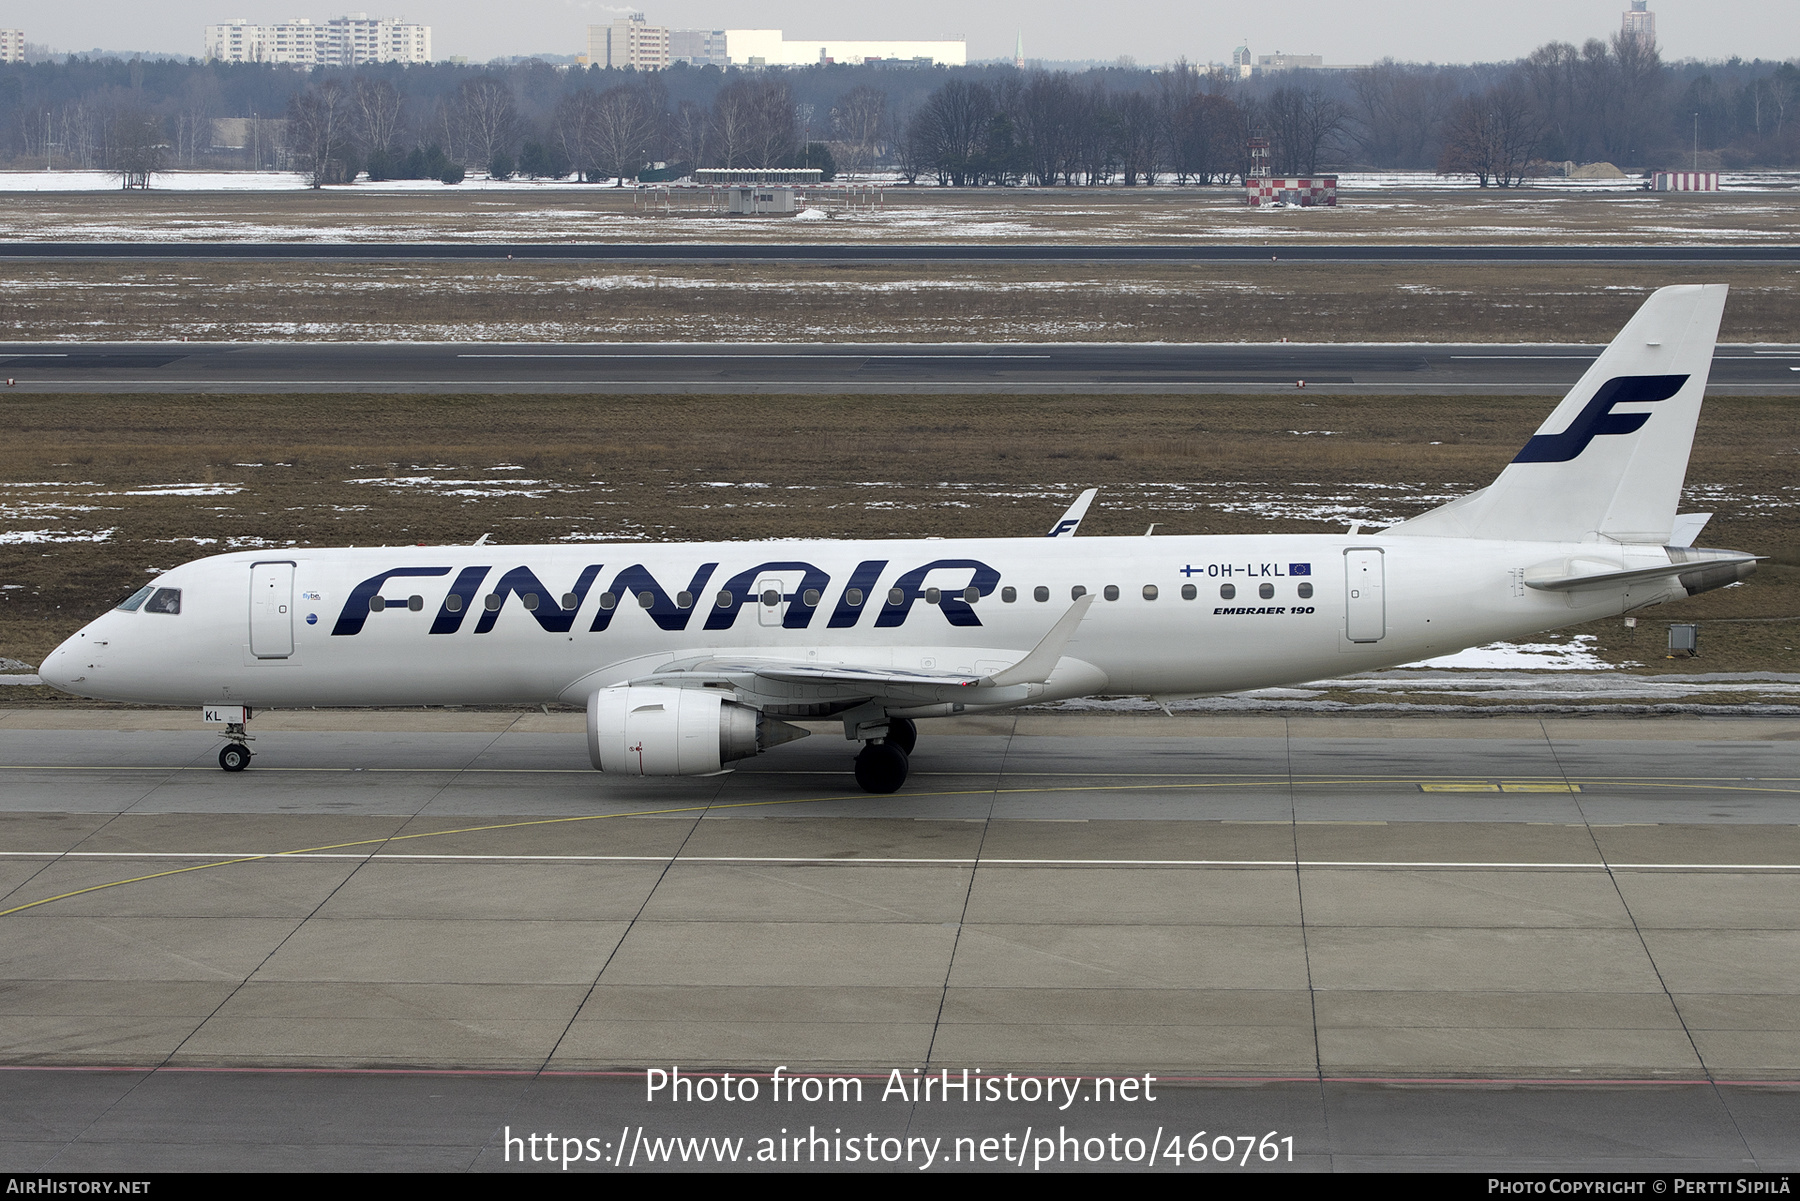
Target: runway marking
868	861
752	356
1504	787
704	808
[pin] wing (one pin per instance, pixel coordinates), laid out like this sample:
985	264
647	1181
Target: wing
846	679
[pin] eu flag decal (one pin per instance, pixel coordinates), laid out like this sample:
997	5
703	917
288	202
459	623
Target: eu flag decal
1299	568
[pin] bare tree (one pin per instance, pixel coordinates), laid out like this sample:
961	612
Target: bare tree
731	121
1302	123
487	117
572	124
1493	136
135	146
378	115
622	128
1399	113
318	133
859	120
688	129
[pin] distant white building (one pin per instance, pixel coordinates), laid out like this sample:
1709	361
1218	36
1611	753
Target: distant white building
1289	62
698	47
629	42
1639	24
767	48
12	45
347	41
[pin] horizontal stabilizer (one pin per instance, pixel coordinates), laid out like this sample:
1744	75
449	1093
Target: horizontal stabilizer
1583	574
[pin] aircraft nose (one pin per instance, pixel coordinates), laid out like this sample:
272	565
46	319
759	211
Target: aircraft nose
61	669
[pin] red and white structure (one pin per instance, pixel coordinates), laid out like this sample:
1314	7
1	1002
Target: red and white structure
1312	191
1685	181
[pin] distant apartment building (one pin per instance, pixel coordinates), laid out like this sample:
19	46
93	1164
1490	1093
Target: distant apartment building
698	47
629	42
768	48
347	41
1639	24
12	45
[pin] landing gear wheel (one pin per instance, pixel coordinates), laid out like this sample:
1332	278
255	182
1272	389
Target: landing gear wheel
881	767
234	757
902	733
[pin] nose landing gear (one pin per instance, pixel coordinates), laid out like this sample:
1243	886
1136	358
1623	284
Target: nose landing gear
236	754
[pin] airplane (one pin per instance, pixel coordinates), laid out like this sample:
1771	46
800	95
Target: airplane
690	657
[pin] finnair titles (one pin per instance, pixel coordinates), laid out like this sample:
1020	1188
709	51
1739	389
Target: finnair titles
689	657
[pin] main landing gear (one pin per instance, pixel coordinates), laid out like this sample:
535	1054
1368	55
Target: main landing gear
881	766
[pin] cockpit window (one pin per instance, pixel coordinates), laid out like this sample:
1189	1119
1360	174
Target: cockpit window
130	604
166	600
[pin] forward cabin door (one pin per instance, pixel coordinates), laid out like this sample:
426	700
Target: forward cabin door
271	610
1365	595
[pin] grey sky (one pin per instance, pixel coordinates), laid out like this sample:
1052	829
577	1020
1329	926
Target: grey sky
1152	31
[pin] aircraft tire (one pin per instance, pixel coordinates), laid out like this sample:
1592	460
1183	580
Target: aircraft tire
234	757
881	767
903	733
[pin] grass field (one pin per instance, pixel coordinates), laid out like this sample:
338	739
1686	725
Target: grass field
101	490
571	302
1093	215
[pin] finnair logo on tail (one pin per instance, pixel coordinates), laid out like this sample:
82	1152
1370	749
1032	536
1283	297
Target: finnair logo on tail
1597	417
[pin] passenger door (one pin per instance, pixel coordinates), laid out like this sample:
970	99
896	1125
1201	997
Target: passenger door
1365	594
271	610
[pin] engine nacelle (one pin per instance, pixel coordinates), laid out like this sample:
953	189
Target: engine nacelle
676	731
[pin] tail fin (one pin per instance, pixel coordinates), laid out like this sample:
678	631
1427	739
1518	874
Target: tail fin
1609	463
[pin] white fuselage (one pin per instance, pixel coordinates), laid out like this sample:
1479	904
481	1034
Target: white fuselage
1375	600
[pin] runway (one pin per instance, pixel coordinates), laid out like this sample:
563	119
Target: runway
847	252
190	367
1455	943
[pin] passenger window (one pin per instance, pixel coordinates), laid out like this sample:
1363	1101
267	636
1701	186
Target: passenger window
494	600
1189	592
1009	594
571	601
855	597
1077	592
1227	591
771	597
1149	591
896	597
724	599
646	599
932	596
1305	591
607	601
164	600
453	603
810	598
1267	591
971	594
416	603
377	604
130	604
1111	592
530	601
1040	593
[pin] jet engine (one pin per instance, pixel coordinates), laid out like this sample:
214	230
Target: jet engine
676	731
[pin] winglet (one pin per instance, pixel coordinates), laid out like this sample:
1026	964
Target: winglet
1036	667
1071	521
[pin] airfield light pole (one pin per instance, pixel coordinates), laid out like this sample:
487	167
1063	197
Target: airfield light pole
1696	141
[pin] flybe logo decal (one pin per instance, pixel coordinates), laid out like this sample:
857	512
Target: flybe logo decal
953	585
1597	417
